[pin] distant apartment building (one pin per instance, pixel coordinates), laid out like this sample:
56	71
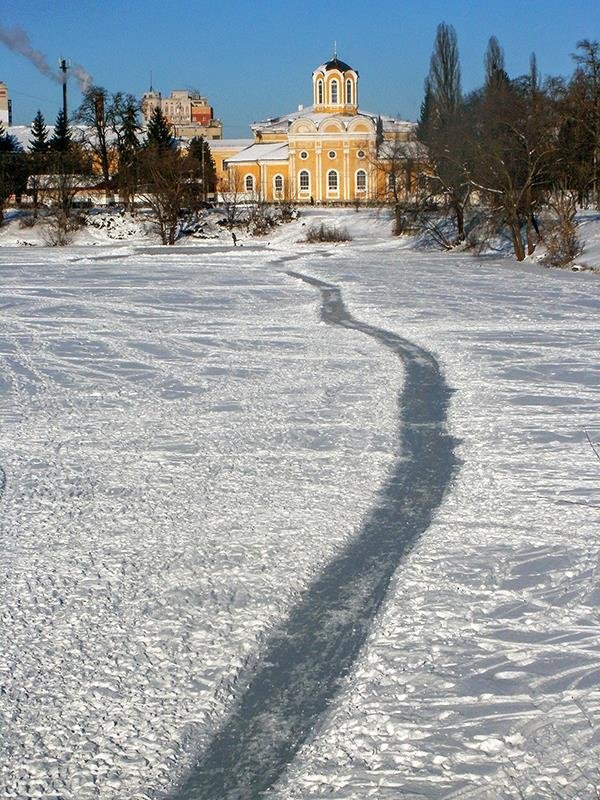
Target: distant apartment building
5	105
189	113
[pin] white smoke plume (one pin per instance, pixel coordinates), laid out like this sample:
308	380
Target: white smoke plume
82	76
18	41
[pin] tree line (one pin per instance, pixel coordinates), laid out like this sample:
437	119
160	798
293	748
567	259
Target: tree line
515	148
109	151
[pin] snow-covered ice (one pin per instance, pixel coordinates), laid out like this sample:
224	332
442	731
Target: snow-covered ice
185	446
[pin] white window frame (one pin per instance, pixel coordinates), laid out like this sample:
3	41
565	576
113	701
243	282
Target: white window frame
300	187
320	92
361	189
330	188
249	177
349	92
278	192
334	84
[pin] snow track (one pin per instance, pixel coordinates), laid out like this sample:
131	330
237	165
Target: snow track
308	656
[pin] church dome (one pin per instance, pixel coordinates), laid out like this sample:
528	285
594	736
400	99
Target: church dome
335	63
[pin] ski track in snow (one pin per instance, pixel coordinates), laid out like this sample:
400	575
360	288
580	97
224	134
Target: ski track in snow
305	660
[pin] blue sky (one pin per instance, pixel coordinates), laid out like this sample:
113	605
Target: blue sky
254	59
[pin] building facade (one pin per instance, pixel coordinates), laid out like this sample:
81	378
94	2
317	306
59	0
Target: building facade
5	106
330	152
189	113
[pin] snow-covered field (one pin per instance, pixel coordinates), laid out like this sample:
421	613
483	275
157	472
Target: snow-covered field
186	445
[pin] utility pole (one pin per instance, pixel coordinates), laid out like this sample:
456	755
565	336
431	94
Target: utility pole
63	66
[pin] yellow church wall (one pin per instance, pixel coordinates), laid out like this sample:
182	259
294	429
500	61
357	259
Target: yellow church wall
264	138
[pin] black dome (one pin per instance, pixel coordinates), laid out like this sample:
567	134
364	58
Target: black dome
336	64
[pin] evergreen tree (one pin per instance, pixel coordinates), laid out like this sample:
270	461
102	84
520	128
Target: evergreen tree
13	168
130	128
39	135
204	165
126	128
158	133
61	141
8	143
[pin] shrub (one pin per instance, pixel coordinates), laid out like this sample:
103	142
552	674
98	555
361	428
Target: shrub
59	228
324	233
562	243
27	221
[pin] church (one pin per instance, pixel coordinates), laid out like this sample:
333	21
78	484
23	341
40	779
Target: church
330	152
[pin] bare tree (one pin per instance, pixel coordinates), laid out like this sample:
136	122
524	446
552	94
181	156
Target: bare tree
167	189
231	194
514	142
399	167
93	114
588	73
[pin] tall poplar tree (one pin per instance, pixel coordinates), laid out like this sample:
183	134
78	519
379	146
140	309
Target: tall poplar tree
442	125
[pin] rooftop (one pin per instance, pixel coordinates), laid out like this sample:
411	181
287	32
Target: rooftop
335	63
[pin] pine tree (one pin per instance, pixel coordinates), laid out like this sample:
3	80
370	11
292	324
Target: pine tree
39	135
200	153
8	143
158	133
61	141
129	140
127	130
13	168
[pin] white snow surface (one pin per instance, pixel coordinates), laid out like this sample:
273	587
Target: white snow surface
185	445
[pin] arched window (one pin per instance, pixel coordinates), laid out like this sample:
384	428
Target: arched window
304	181
278	184
348	91
320	92
334	92
361	181
249	183
332	181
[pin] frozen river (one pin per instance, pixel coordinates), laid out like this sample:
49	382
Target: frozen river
187	446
